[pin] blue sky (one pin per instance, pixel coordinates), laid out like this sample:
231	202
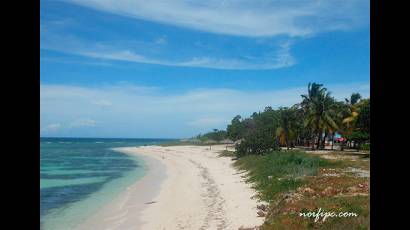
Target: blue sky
178	68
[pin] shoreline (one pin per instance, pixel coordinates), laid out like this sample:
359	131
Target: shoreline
124	209
186	187
75	213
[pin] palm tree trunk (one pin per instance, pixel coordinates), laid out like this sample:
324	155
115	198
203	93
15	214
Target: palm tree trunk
313	142
324	140
333	140
319	132
319	138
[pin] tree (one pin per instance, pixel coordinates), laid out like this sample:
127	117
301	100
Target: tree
318	113
235	130
359	123
217	135
341	111
363	119
317	118
353	110
358	120
288	126
259	133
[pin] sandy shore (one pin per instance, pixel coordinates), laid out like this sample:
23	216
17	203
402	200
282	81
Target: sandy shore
187	187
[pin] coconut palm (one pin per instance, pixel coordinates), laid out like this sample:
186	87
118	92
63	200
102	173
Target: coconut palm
286	132
317	105
353	105
329	125
341	111
353	112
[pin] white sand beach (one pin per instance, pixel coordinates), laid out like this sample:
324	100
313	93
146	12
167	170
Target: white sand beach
186	187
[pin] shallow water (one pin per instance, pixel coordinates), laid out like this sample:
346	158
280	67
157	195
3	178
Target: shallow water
77	176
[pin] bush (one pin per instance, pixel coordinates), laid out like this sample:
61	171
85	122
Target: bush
256	144
365	147
358	136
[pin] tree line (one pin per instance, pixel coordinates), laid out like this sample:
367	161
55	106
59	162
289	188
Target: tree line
317	118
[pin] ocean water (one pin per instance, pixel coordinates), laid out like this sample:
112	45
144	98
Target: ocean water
80	175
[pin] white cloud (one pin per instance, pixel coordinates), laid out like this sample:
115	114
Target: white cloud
244	17
66	124
82	123
135	111
279	59
259	20
50	128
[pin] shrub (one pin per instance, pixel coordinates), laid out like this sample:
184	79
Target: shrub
365	147
256	144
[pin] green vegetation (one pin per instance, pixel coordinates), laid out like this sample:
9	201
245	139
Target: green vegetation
227	153
216	136
310	123
287	215
210	138
293	182
279	171
365	147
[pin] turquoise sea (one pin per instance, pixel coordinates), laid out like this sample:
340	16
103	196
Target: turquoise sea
79	175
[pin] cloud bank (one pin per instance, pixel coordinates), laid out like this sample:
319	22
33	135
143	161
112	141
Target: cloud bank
279	22
243	17
135	111
279	57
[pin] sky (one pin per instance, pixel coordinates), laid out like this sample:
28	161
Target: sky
177	68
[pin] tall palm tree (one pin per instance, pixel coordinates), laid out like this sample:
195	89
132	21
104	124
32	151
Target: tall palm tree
330	124
353	106
353	110
286	132
341	111
317	105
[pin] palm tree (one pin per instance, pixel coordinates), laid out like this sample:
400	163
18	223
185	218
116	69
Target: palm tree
341	111
287	126
317	105
307	103
330	126
353	109
353	106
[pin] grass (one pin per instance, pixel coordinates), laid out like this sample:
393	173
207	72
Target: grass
227	153
351	160
279	171
287	215
294	172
